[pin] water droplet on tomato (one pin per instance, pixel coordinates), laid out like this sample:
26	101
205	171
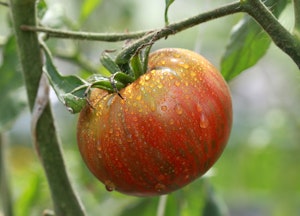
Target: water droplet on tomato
139	97
129	138
177	83
109	186
187	177
152	106
203	121
147	77
171	121
164	108
199	108
159	85
186	66
160	187
178	109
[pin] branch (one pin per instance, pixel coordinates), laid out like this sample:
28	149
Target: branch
64	199
108	37
280	36
174	28
114	37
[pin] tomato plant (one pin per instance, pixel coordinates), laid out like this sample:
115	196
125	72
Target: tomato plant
169	127
148	134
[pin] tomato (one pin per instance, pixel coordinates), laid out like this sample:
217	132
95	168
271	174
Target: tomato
169	129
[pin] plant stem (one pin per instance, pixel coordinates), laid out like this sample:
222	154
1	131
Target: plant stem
64	199
5	193
113	37
280	36
108	37
297	18
161	208
150	38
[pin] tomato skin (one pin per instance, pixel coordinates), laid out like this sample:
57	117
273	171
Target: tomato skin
169	130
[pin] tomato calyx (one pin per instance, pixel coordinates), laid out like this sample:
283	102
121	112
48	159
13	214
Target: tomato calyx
123	74
73	91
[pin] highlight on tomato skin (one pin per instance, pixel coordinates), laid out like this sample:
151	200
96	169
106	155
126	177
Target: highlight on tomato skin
169	129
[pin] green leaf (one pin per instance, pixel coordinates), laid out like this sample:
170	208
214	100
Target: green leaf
70	90
248	43
168	3
87	8
11	86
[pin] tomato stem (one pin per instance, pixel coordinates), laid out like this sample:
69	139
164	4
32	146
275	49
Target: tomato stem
125	55
108	37
47	143
280	36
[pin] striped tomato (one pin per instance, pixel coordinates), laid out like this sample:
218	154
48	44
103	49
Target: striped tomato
170	127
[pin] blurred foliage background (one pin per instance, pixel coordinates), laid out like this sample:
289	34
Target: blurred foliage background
258	173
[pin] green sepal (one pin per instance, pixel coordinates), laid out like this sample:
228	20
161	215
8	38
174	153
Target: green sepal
123	78
137	65
109	63
106	83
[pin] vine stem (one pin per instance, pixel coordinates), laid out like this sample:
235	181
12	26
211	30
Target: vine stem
174	28
280	36
162	205
108	37
147	34
64	199
287	42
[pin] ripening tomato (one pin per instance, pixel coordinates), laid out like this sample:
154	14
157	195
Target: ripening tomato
169	129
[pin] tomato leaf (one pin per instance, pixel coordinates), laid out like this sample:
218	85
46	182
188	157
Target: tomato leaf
87	8
70	90
168	3
248	43
11	86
